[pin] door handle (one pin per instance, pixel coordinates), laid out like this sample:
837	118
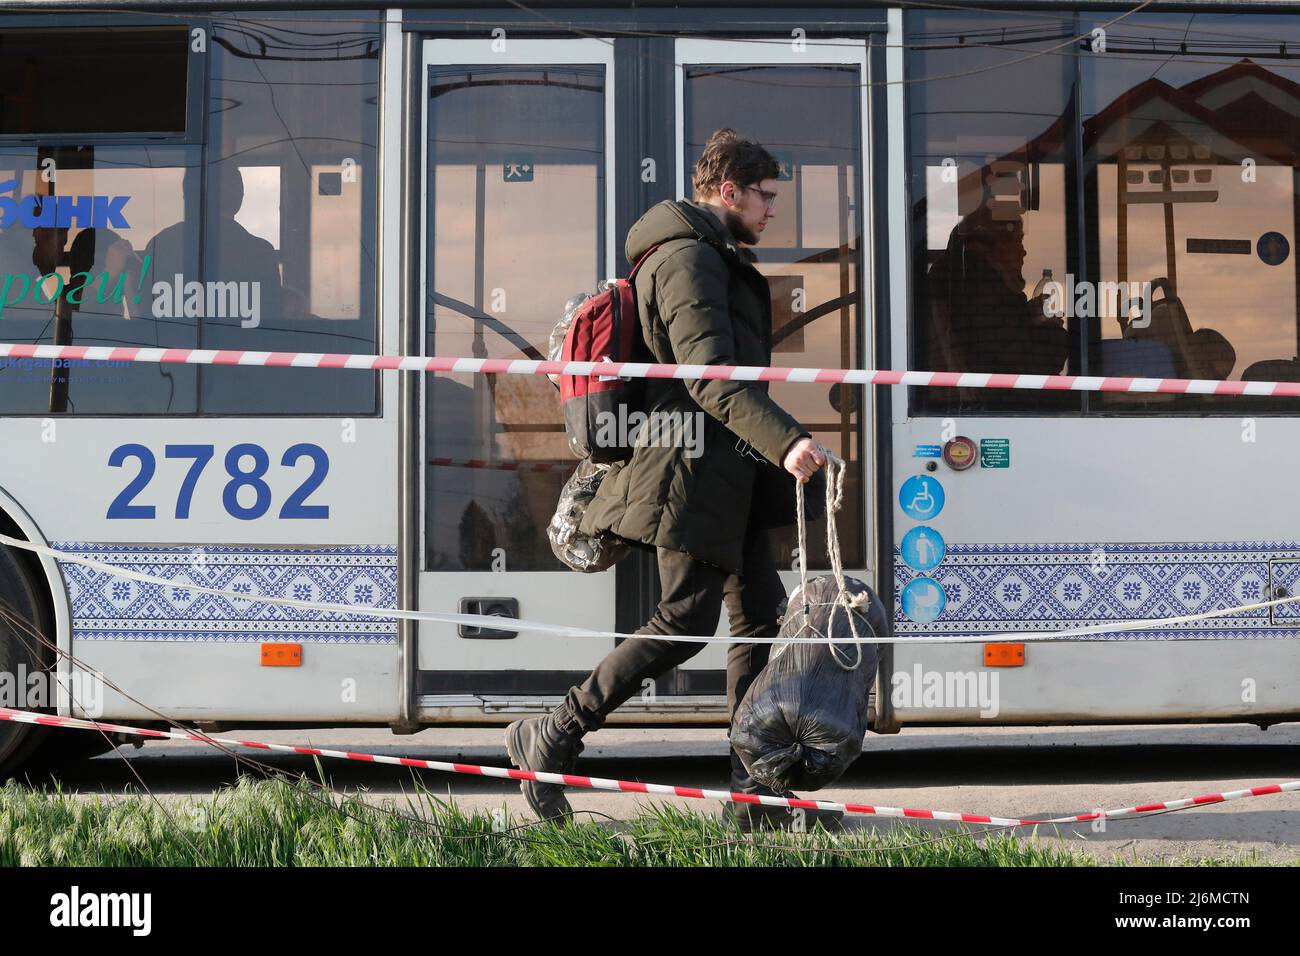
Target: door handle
506	607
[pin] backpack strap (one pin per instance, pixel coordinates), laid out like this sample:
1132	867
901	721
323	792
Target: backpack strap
648	253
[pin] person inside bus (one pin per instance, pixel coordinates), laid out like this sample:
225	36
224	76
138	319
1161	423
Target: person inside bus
41	250
983	321
104	259
232	253
1210	355
114	268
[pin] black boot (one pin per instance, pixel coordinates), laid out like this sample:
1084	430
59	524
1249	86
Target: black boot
757	816
548	744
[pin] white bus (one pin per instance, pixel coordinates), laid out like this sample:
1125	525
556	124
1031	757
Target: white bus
437	179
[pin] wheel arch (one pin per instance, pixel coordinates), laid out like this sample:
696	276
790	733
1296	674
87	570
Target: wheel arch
16	522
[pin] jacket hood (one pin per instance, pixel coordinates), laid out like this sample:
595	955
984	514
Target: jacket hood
679	219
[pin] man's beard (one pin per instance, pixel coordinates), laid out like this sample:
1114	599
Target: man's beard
739	231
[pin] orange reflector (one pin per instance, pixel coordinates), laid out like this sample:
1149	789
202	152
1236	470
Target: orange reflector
281	655
1004	655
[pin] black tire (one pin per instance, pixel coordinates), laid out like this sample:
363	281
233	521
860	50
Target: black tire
18	742
60	750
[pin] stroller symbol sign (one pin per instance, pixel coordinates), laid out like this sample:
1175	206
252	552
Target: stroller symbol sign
923	600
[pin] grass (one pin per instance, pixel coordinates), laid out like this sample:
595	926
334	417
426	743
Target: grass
279	823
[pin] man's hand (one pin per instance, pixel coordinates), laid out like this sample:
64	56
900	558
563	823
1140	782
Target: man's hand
1038	314
804	458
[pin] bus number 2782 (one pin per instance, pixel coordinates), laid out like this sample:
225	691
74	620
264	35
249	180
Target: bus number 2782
295	506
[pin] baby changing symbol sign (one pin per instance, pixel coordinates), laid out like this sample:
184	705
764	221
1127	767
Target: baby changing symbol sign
921	497
923	548
923	600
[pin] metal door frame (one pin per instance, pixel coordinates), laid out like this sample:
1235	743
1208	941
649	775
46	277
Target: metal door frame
780	52
517	52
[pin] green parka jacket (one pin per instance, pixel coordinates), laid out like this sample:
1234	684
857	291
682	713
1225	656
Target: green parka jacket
701	302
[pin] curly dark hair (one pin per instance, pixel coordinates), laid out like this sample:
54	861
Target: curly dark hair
727	156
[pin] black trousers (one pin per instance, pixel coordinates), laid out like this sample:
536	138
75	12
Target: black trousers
691	598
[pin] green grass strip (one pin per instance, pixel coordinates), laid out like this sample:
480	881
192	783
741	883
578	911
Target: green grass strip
279	823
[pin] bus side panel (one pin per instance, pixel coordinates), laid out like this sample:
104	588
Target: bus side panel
1052	542
302	509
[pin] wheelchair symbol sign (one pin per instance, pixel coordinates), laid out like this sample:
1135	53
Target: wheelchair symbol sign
921	497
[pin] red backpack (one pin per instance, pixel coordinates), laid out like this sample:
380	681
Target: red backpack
604	326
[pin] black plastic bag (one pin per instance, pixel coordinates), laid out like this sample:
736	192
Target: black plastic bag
803	720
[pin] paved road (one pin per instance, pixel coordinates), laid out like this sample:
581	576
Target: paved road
1017	772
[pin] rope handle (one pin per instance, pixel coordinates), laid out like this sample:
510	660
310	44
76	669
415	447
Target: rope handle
850	602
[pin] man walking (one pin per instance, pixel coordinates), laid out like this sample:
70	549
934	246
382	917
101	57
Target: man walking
701	302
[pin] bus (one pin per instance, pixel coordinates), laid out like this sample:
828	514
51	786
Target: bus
995	186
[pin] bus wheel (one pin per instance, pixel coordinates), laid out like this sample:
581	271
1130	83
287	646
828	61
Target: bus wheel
62	750
21	655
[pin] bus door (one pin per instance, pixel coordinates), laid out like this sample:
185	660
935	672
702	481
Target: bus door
518	148
807	104
519	217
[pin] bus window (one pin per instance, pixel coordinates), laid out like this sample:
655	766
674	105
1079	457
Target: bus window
811	250
516	226
81	202
260	236
289	208
988	174
1190	161
90	281
90	81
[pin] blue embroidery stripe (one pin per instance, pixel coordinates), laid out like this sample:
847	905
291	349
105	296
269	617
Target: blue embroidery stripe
1029	586
114	609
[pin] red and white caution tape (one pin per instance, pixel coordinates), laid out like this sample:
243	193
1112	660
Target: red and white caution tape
632	786
567	630
748	373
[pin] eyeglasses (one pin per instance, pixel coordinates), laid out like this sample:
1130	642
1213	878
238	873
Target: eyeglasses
769	199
